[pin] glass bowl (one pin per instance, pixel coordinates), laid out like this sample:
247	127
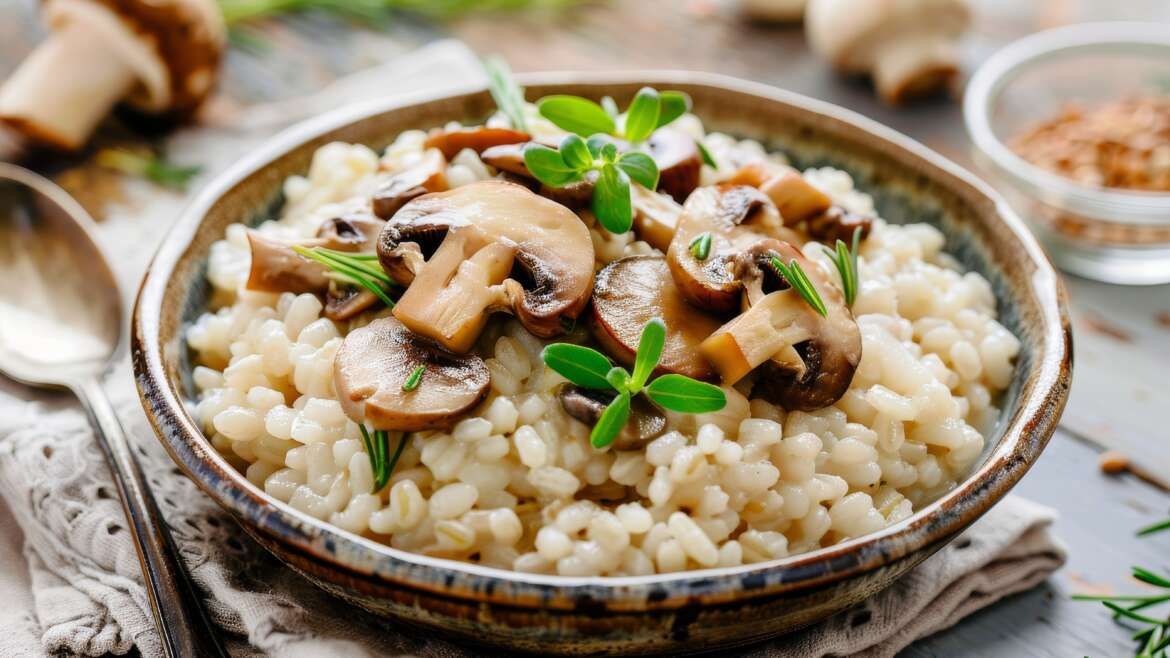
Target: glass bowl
1109	234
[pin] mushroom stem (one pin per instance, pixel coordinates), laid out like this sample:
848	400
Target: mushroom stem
914	64
65	87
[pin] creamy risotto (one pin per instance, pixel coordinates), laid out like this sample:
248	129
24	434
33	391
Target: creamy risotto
513	482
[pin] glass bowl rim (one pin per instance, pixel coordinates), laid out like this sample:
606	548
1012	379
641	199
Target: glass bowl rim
1006	64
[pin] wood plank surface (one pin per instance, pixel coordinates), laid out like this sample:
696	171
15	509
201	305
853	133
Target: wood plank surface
1119	400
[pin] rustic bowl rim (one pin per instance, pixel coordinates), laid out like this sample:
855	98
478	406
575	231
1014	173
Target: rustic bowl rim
926	530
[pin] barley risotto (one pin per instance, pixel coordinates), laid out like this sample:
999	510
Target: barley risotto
652	350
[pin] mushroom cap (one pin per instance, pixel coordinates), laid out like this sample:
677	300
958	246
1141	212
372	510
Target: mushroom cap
187	36
478	139
395	190
633	290
679	162
655	216
374	362
275	267
646	421
848	33
737	217
552	273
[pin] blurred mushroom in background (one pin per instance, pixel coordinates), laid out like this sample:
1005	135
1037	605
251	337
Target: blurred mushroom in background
907	46
158	56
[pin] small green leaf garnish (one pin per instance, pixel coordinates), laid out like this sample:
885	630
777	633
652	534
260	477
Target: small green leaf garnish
549	166
509	96
576	115
640	167
706	155
674	104
354	269
845	259
649	351
581	365
611	199
382	463
618	378
642	115
701	246
575	153
686	395
413	379
611	422
796	277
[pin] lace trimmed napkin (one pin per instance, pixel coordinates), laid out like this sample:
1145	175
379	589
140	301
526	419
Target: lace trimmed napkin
75	586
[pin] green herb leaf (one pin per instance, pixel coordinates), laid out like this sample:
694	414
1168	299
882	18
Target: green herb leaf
413	379
641	168
707	159
580	365
674	104
701	246
642	115
611	200
576	115
355	269
686	395
382	463
649	351
794	274
609	153
618	378
845	260
509	97
575	153
549	166
612	420
1154	528
596	143
610	106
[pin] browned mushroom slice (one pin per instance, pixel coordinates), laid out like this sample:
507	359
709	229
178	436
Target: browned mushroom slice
679	162
479	139
426	175
806	361
633	290
646	422
836	223
356	230
736	217
346	302
277	268
486	247
797	199
507	157
655	217
374	362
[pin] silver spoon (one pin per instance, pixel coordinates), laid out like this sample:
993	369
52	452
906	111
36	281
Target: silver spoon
60	327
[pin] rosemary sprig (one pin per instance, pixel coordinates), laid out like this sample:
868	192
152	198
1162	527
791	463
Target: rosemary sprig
796	277
413	379
382	463
1154	639
845	258
355	269
508	95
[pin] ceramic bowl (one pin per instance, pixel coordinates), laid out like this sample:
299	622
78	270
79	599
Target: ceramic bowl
679	612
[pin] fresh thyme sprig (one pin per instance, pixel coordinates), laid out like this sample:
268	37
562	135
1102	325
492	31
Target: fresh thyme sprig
845	258
508	95
153	167
1154	638
355	269
591	369
377	447
796	277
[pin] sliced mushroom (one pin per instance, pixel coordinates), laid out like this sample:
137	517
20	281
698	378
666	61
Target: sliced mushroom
374	362
737	217
679	162
797	199
277	268
633	290
356	230
807	360
478	139
346	302
426	175
507	157
836	223
485	247
655	216
647	422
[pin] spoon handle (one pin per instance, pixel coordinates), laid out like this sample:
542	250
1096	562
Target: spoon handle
182	623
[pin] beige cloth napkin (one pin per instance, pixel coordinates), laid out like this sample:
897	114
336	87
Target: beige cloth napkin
74	588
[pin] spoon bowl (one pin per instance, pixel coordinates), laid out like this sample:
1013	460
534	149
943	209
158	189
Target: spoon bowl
63	322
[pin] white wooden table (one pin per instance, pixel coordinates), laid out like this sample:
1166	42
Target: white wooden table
1119	398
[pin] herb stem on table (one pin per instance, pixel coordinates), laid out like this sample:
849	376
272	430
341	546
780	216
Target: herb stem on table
153	167
589	368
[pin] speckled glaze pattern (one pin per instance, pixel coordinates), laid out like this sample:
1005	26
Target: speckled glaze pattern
676	613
